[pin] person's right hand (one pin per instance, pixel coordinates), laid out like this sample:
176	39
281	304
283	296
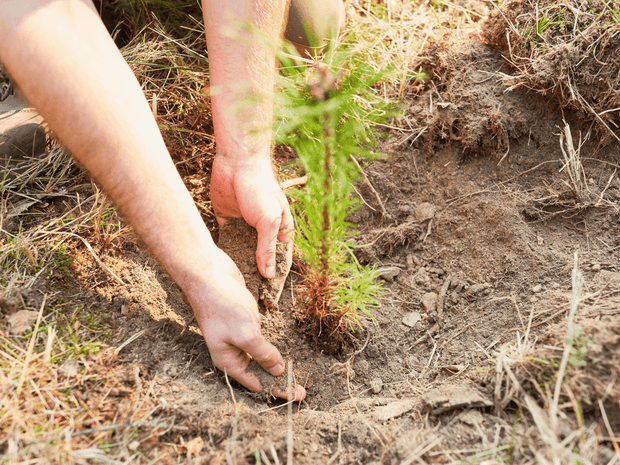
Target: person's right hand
228	317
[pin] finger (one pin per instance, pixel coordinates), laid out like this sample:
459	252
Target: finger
299	393
265	354
248	380
267	230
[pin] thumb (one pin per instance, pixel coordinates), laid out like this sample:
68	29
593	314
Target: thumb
267	229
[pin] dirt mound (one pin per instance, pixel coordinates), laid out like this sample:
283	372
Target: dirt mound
467	102
568	51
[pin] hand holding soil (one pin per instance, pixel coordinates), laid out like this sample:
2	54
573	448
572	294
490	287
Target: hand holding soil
239	241
248	188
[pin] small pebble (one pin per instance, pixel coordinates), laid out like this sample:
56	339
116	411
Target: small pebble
536	289
376	384
362	367
411	319
429	302
596	267
372	351
424	211
389	273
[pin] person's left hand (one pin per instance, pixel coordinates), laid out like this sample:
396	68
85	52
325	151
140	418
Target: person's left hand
248	188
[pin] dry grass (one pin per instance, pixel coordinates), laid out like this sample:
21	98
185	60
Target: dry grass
557	382
568	51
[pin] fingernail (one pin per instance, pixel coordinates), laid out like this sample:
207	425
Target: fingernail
271	271
279	369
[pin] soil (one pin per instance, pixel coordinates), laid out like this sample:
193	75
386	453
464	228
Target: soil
463	280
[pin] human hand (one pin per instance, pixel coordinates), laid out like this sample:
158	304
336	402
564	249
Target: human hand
228	317
247	188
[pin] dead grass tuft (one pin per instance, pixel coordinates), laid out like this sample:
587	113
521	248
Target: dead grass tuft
562	382
568	51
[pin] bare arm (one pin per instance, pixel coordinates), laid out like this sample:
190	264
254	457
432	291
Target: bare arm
69	68
241	68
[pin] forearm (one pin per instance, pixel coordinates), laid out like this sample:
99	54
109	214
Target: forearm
71	71
241	68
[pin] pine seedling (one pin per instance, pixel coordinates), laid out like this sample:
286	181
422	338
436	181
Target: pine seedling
322	118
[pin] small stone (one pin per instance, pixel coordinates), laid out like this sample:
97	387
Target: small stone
596	267
411	319
175	388
362	367
133	445
478	288
404	210
536	289
424	211
393	410
376	384
429	302
21	321
372	351
69	368
389	273
195	446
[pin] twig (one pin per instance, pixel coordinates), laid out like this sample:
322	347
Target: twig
275	407
289	436
232	394
22	377
89	431
274	455
92	252
362	197
335	456
601	199
456	335
429	334
512	27
374	191
531	169
234	421
609	430
128	341
264	458
428	230
553	411
284	185
428	364
440	299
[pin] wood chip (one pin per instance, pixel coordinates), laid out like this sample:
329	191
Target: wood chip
393	410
